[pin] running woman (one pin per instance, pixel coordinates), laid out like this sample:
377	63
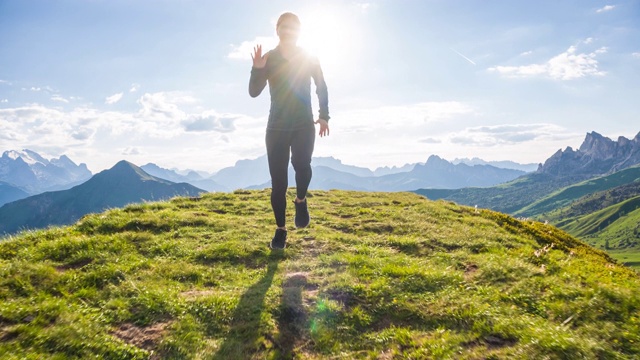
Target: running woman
290	129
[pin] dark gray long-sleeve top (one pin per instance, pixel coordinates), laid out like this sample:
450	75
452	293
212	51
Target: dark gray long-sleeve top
290	89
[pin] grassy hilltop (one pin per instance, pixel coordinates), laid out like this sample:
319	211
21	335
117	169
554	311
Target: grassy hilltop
376	276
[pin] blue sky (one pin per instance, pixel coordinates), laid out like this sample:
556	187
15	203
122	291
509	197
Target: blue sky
165	81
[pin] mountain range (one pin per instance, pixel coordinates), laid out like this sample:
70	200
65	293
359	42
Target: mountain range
592	193
505	164
597	156
25	173
34	174
123	184
330	173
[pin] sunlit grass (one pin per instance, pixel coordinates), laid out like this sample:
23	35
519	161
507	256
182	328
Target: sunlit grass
377	275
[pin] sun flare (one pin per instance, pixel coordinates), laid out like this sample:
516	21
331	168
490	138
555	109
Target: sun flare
329	35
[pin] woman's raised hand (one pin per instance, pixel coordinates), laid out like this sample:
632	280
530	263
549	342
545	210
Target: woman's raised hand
259	61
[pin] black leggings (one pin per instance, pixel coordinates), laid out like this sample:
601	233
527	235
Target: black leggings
300	143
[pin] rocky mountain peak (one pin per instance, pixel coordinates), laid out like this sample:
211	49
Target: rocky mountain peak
598	155
598	146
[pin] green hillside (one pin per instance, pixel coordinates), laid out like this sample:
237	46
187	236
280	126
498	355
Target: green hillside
565	196
605	219
615	228
508	197
599	220
376	276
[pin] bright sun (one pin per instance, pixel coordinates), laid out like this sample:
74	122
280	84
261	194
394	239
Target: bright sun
327	34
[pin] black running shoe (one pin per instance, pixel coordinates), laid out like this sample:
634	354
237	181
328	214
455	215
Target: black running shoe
302	218
279	240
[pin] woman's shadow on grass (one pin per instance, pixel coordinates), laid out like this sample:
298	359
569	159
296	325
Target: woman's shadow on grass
244	335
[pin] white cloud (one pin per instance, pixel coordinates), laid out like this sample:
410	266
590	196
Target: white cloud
5	82
209	121
430	141
113	98
83	133
134	87
392	135
636	55
131	151
526	53
59	98
4	101
163	130
505	134
245	49
606	8
566	66
159	105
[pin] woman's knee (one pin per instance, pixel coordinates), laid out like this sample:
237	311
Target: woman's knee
299	164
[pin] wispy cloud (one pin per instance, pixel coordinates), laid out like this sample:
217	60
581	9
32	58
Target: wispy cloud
507	134
134	87
131	151
245	49
4	101
430	140
636	55
568	65
209	121
5	82
606	8
83	134
59	98
526	53
113	98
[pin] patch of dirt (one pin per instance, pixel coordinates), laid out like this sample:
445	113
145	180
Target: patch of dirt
347	229
6	334
491	342
345	298
192	294
496	341
143	337
74	265
470	270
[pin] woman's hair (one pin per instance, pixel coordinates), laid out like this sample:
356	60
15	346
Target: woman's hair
288	15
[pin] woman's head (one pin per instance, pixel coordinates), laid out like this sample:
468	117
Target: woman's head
288	27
